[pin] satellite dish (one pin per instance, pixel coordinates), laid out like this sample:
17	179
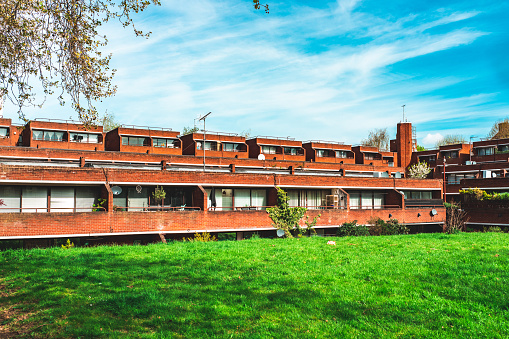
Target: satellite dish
116	190
434	212
279	233
198	145
261	157
138	189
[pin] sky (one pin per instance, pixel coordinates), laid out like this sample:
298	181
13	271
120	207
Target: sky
311	70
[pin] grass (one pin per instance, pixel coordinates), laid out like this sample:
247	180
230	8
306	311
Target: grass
413	286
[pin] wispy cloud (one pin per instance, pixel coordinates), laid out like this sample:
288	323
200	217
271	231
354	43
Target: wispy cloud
330	71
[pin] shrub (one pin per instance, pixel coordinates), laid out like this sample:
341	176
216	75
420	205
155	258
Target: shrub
390	227
493	229
68	245
455	219
202	237
419	170
352	229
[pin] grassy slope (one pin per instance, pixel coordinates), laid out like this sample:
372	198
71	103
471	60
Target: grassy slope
428	285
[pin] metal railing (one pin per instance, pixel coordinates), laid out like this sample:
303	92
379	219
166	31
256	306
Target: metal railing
146	127
155	209
326	142
52	209
274	138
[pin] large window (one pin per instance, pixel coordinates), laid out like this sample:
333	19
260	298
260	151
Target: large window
269	149
47	135
209	145
84	137
428	158
341	154
450	154
418	195
324	153
135	141
367	200
11	196
232	147
291	150
371	156
308	198
165	143
4	132
485	151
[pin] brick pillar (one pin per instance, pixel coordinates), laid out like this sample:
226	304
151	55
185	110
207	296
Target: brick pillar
108	195
232	168
82	161
163	164
200	198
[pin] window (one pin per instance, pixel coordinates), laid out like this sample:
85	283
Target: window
34	199
4	132
308	198
62	199
485	151
371	156
231	147
290	150
84	137
503	148
47	135
367	200
135	141
11	196
341	154
450	154
418	195
323	153
165	143
428	158
269	149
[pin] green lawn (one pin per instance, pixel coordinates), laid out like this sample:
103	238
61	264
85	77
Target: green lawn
412	286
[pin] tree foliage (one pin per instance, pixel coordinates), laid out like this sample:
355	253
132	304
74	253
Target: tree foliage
287	218
419	170
188	130
451	139
55	45
109	122
499	130
378	138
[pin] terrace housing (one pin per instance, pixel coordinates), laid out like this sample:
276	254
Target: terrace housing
61	180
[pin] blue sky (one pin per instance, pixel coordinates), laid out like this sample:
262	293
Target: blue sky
329	70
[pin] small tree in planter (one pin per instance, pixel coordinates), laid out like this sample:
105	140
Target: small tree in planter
287	218
159	194
419	170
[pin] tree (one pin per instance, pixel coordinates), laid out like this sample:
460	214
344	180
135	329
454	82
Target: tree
419	148
287	218
189	130
499	130
419	170
378	138
451	139
109	122
55	44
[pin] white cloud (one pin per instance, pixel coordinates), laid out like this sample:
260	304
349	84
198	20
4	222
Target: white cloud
431	139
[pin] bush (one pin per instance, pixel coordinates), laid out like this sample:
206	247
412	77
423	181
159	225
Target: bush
390	227
352	229
493	229
202	237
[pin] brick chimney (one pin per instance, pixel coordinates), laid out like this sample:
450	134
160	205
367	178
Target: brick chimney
403	144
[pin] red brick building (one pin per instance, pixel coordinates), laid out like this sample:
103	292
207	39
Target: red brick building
61	180
482	164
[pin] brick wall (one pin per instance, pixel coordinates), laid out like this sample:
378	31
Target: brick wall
55	224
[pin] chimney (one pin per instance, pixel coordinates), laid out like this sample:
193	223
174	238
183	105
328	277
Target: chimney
404	144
